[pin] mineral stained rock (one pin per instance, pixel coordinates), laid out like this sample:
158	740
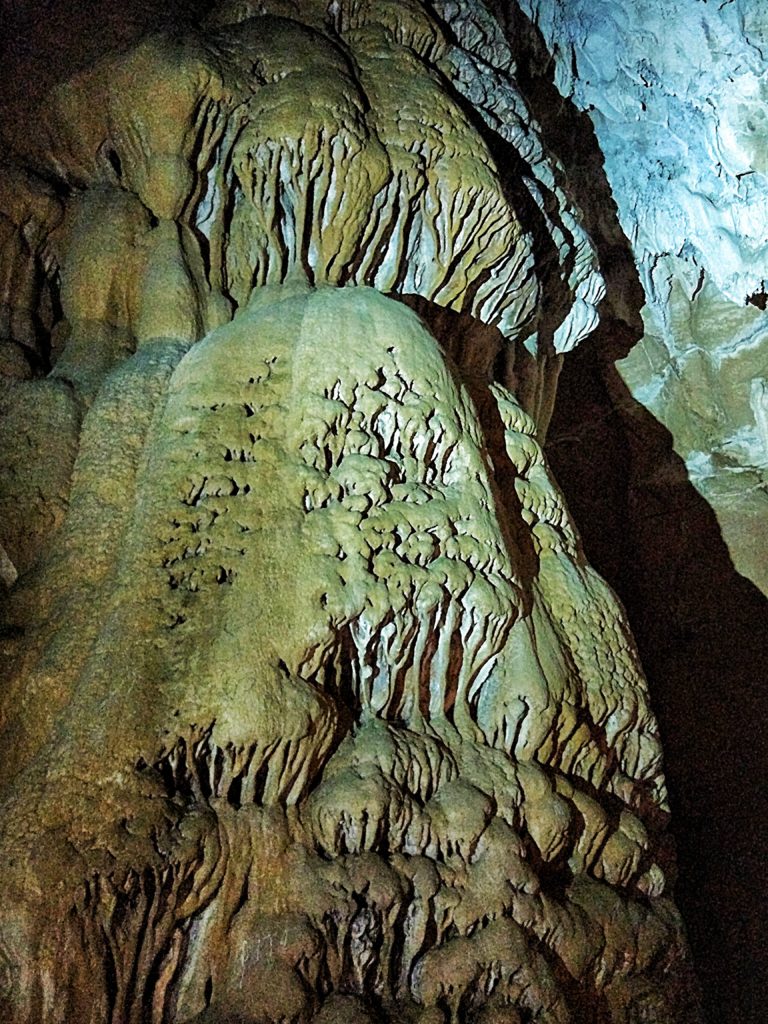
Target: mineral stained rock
315	710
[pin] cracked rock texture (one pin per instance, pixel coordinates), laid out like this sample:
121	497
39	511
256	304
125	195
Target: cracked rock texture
315	709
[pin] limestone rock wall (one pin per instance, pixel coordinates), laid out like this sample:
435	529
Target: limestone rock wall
676	93
675	211
314	710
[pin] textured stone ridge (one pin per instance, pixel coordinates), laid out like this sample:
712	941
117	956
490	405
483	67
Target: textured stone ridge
315	710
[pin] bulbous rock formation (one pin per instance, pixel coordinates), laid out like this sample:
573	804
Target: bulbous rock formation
316	711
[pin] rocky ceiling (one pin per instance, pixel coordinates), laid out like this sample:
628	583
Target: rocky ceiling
635	363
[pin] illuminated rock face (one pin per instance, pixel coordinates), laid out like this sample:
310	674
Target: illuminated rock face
316	711
677	96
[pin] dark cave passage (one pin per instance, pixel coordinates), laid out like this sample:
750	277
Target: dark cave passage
702	632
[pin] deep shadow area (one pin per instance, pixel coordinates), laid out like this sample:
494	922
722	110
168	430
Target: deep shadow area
43	42
701	628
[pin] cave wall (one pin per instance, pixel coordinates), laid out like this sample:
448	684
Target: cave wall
685	550
676	94
316	707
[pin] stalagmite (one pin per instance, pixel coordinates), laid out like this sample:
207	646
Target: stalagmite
316	711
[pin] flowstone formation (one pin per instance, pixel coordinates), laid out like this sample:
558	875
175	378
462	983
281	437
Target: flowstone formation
315	710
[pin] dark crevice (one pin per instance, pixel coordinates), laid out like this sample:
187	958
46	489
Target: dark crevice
115	162
701	628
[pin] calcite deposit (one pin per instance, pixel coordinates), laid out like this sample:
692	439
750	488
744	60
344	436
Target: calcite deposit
315	710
